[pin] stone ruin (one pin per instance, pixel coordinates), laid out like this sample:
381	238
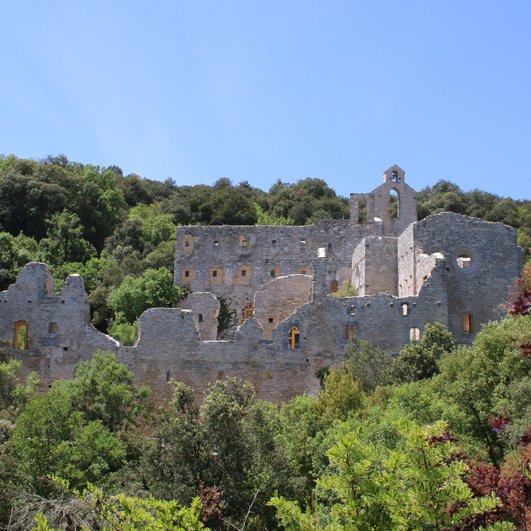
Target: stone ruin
446	268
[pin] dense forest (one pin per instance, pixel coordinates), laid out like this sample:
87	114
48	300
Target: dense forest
437	438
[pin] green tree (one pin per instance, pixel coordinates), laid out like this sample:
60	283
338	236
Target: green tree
489	381
94	509
173	459
417	485
341	397
367	364
418	360
104	389
153	289
15	253
64	240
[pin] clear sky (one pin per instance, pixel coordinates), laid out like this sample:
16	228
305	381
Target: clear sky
257	91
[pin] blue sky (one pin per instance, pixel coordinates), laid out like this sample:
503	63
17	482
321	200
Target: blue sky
261	91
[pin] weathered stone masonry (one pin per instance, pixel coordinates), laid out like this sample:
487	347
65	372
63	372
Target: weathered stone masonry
448	268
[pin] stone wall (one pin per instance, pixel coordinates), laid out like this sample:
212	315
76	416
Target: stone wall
492	260
447	268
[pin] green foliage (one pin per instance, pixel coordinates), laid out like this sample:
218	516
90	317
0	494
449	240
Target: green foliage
489	381
230	207
104	389
227	316
64	240
417	485
51	437
418	360
369	365
345	290
15	252
126	333
14	394
341	397
93	509
77	430
266	218
172	460
153	289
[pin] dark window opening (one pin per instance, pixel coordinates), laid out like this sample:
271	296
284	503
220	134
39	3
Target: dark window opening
200	317
334	286
214	273
244	272
65	349
270	319
273	243
187	273
349	332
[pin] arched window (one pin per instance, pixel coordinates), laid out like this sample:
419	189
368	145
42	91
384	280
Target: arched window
394	204
293	338
21	339
334	286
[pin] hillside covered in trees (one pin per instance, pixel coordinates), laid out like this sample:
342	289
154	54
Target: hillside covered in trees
118	231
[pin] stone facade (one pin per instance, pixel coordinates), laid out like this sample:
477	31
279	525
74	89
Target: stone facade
447	268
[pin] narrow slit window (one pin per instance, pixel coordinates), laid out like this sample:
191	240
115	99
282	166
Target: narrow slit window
244	272
52	328
200	317
467	323
273	243
405	309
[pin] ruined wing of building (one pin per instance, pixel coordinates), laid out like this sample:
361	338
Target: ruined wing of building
446	268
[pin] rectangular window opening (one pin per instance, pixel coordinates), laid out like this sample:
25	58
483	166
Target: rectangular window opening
52	328
467	323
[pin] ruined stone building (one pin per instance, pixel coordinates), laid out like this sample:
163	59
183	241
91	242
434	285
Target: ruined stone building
446	268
